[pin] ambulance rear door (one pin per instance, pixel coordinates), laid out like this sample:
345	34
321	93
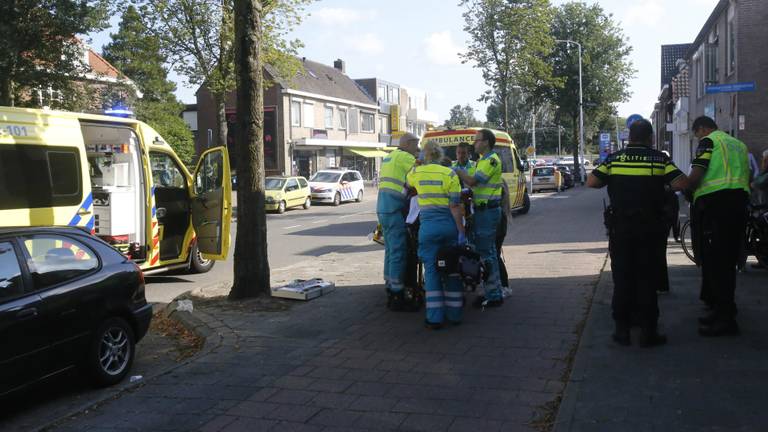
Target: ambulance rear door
211	203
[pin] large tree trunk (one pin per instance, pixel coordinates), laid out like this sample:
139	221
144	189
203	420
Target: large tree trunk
6	91
221	119
505	99
251	262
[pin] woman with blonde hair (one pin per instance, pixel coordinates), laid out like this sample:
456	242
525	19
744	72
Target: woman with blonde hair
440	213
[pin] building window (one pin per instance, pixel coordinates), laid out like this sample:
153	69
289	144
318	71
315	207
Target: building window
383	124
731	46
342	118
699	77
381	95
710	64
368	122
329	117
309	115
295	113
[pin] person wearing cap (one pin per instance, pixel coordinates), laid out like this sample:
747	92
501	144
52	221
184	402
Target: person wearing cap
486	187
391	209
636	178
439	197
720	176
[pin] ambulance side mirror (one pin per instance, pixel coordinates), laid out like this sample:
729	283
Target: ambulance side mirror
161	212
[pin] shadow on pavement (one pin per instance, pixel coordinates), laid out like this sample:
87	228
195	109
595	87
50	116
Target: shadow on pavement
346	229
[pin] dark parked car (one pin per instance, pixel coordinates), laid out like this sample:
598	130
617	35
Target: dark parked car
567	176
67	299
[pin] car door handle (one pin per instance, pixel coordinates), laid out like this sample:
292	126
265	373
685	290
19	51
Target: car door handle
26	314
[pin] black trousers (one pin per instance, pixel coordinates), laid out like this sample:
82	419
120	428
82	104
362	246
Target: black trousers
721	220
637	265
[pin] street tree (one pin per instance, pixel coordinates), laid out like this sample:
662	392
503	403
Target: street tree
260	29
462	116
606	68
509	42
137	54
39	48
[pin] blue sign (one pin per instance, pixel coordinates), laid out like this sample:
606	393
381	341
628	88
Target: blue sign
633	118
731	88
605	145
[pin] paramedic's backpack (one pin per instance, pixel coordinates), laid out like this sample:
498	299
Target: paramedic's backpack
464	262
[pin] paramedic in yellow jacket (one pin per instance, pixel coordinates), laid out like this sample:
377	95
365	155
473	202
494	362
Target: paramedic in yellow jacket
391	209
486	187
440	214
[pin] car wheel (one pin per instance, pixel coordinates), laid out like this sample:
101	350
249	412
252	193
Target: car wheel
526	205
337	199
307	203
198	263
281	207
111	352
359	196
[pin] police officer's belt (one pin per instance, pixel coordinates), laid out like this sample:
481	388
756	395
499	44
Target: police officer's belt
489	205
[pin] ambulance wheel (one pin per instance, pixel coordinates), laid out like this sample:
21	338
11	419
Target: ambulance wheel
198	264
526	205
281	207
307	203
337	199
359	196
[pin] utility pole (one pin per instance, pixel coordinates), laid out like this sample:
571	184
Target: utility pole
559	130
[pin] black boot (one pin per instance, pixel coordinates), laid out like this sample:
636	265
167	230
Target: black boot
709	318
650	337
621	335
395	301
720	327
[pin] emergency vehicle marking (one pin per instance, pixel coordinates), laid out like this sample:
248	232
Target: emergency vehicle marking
87	204
347	193
155	232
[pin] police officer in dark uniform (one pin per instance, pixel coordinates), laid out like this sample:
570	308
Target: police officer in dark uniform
636	177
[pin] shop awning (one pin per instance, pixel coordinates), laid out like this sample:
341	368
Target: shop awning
369	153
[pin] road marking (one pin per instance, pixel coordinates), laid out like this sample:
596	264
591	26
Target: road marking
292	226
320	221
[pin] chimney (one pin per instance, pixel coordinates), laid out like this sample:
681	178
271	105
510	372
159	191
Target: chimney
340	65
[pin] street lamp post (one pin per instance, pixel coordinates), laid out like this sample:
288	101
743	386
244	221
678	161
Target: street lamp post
581	111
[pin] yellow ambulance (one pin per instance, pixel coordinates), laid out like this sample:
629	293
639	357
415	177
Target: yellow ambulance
512	166
117	178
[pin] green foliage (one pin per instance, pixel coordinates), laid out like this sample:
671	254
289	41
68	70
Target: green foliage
606	68
462	116
38	49
165	118
136	54
510	42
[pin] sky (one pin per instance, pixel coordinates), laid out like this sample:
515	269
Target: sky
415	43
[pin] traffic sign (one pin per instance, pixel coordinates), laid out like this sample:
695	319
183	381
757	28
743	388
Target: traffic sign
731	88
530	150
633	118
624	135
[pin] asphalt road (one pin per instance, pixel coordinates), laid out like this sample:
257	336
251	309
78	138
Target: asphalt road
292	237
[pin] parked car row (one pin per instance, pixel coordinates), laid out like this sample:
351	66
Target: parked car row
330	186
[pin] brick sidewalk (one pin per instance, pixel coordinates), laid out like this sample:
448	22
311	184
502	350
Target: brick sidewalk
691	384
344	362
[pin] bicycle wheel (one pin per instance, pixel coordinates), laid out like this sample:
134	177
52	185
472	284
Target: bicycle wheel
686	240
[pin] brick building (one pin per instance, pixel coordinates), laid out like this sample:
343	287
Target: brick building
730	49
319	119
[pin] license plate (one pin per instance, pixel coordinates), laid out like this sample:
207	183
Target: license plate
543	179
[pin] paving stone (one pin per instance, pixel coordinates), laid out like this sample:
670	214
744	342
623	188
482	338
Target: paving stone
463	424
368	389
293	413
380	420
426	422
295	427
336	418
330	385
333	400
245	424
297	397
373	403
252	409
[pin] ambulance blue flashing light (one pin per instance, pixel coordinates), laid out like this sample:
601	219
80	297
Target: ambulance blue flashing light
119	110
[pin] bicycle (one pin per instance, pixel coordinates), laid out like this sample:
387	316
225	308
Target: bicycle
755	237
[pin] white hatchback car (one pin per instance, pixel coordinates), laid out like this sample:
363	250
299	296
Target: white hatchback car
336	186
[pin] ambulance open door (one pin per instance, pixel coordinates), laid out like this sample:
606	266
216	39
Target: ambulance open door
211	203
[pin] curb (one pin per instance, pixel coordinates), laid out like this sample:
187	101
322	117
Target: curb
566	411
200	323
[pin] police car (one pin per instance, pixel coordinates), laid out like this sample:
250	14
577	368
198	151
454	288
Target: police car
336	185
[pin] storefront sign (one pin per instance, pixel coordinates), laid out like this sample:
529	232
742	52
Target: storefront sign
394	118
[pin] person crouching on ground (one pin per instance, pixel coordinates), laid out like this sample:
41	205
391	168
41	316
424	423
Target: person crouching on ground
440	213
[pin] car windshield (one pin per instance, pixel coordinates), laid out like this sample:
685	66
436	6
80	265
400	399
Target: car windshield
274	183
325	177
544	171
